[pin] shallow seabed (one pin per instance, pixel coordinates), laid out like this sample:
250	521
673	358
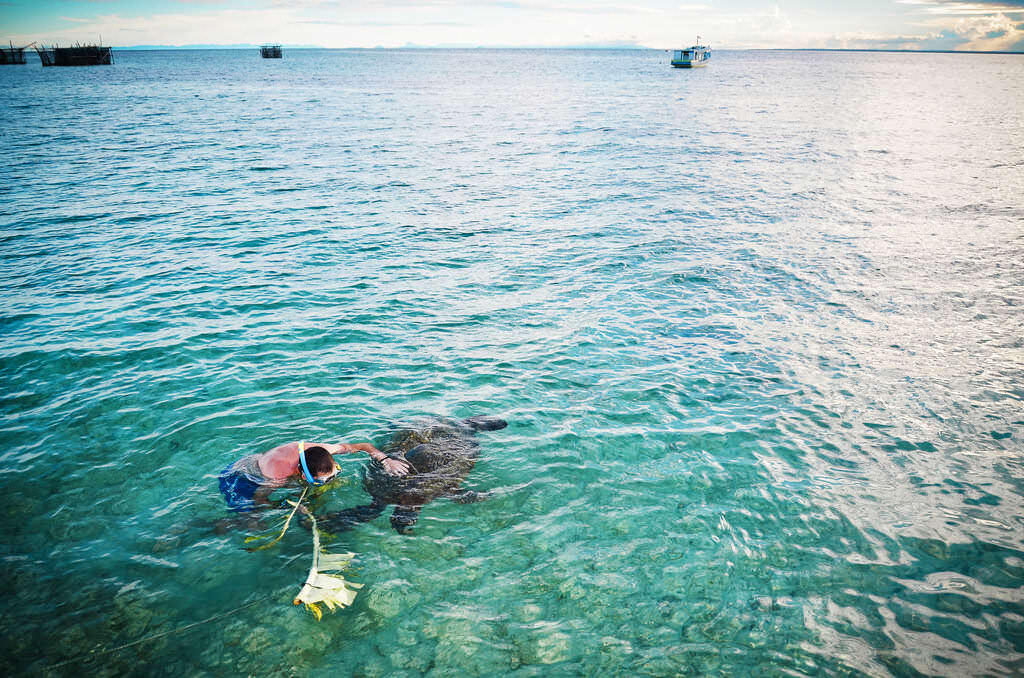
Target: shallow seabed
757	330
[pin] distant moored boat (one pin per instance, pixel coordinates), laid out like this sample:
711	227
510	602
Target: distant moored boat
270	51
691	57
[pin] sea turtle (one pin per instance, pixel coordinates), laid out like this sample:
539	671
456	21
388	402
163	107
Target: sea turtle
441	453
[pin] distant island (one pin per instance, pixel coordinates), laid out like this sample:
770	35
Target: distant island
199	46
899	51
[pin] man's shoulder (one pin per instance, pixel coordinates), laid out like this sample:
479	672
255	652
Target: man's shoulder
285	450
277	463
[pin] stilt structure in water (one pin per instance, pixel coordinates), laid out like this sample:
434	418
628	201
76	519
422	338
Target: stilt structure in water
79	55
13	55
270	51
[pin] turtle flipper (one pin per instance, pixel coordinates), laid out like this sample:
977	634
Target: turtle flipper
404	517
485	423
339	521
469	496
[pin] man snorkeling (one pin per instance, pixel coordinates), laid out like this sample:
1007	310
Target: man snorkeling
247	483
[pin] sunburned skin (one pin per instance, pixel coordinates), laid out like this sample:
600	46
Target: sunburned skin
282	463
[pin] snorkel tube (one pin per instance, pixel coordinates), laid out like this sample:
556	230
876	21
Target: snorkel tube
305	469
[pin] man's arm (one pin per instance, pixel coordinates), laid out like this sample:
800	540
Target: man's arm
399	466
349	448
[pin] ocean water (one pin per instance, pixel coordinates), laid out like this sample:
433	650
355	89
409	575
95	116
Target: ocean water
756	329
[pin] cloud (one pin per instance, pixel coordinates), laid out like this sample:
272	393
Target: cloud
381	24
228	27
989	33
956	8
878	41
965	37
570	7
980	25
989	25
767	27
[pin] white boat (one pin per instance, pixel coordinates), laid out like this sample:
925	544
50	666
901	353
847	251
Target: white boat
691	57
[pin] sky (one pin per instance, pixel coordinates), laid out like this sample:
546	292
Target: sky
981	25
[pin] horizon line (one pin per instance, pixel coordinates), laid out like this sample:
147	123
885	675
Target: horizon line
242	46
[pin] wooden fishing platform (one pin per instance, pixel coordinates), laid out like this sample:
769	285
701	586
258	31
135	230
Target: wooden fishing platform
13	55
79	55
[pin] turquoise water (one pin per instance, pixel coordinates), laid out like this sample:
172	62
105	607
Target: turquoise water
756	329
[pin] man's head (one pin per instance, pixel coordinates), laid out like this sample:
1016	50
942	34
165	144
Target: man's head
319	464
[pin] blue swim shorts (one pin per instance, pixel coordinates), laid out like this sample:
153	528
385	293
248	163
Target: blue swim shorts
238	489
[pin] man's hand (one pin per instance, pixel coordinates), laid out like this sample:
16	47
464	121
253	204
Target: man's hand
398	467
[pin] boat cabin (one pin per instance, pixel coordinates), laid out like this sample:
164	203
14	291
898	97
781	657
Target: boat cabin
691	57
